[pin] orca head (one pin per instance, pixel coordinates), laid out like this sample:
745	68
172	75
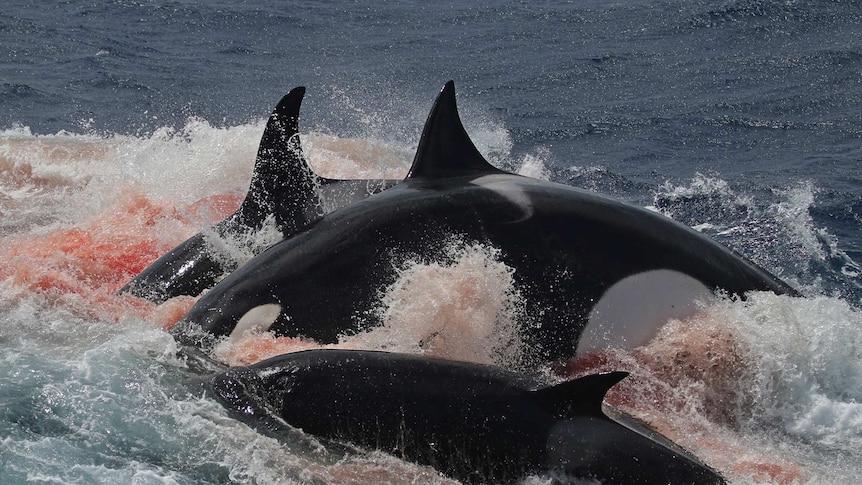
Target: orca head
244	314
256	399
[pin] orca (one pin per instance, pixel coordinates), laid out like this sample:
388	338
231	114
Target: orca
585	265
472	422
283	186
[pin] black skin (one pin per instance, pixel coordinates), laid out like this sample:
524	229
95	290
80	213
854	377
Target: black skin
471	422
283	186
565	256
566	245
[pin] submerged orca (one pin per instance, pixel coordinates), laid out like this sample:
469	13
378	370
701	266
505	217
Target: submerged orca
472	422
283	186
579	259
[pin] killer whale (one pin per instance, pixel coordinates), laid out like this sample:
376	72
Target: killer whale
581	260
475	423
283	186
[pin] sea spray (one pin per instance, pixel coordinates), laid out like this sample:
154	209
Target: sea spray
464	307
777	232
806	420
757	374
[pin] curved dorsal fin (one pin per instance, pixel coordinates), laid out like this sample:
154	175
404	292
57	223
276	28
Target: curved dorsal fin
282	184
445	149
580	396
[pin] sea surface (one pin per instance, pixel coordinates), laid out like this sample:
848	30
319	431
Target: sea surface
127	126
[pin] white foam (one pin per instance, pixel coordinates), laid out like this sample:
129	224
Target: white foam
186	165
466	309
806	351
535	165
702	184
808	365
235	249
355	158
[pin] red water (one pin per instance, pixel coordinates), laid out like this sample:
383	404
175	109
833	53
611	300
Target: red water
689	383
82	266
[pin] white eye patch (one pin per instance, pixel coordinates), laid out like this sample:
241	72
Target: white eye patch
259	318
631	311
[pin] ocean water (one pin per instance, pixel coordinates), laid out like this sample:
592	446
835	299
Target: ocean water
127	126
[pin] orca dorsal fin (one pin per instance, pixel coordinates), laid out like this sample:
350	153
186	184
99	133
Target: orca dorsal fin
282	184
445	148
579	396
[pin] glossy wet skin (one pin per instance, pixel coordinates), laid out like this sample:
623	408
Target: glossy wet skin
568	249
567	246
472	422
282	187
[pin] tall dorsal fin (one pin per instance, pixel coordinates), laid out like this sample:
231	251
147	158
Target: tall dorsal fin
445	149
580	396
283	183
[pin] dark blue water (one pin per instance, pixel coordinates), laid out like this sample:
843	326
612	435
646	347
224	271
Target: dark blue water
741	118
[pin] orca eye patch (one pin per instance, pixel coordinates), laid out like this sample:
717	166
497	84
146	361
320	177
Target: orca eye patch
259	318
632	310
